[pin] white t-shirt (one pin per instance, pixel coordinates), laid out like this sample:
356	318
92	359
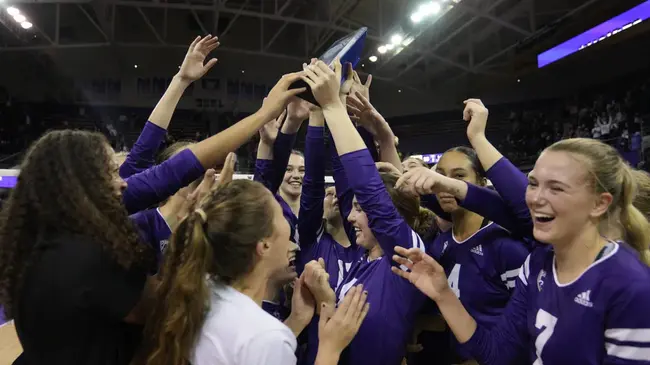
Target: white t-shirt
237	331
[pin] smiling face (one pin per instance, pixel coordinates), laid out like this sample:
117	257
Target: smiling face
331	204
292	182
456	165
281	253
359	220
561	198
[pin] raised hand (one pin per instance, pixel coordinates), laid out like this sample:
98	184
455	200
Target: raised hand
476	114
358	87
420	181
367	116
424	272
192	67
269	132
337	328
324	82
280	95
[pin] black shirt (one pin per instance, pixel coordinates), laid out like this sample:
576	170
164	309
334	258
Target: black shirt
72	305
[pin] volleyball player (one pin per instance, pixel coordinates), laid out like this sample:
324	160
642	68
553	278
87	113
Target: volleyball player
215	277
315	241
379	227
579	299
278	166
480	258
72	268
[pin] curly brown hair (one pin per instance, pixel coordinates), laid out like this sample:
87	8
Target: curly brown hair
222	247
65	186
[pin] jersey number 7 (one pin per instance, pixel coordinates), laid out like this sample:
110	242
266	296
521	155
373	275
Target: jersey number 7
546	322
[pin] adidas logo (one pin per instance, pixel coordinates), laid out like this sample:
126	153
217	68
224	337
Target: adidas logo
583	299
477	250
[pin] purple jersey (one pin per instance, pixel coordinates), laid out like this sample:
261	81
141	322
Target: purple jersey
314	242
154	230
152	186
277	310
143	154
2	316
599	318
264	175
481	271
394	302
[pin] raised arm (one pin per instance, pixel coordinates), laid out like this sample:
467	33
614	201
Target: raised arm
501	344
297	113
142	155
387	224
310	219
158	183
477	199
508	181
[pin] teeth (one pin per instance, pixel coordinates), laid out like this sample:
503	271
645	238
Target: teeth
543	216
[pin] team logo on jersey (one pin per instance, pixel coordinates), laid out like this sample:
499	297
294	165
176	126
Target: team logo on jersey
540	280
477	250
163	245
583	299
444	246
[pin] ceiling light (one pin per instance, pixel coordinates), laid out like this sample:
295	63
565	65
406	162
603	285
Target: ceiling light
396	39
407	41
372	59
399	91
430	8
382	49
390	46
19	18
26	25
416	17
13	11
135	66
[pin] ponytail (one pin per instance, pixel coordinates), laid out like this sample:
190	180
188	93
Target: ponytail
182	295
635	224
425	223
217	241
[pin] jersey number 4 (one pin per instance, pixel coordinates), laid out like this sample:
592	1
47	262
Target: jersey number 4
546	322
453	280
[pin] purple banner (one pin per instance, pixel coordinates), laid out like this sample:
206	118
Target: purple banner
8	182
596	34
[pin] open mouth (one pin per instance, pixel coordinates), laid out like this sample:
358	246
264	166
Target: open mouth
543	218
292	264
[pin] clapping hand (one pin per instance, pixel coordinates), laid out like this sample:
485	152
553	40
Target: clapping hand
193	68
317	280
337	328
424	272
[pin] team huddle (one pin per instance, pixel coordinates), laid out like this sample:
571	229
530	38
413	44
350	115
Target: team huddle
160	257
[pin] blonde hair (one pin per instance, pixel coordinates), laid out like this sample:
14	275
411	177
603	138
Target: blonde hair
642	199
610	173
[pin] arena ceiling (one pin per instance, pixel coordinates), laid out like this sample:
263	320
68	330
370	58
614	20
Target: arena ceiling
466	37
